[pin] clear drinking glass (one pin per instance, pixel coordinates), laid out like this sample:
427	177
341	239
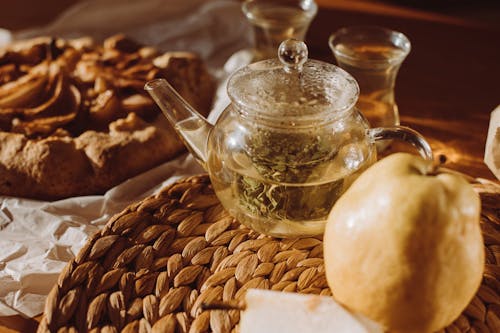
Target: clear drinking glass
274	21
373	55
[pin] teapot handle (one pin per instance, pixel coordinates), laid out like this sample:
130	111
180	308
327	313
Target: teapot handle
402	133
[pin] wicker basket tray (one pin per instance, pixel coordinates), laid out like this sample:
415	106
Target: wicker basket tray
155	263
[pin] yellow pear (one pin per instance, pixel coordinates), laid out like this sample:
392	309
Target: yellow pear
403	245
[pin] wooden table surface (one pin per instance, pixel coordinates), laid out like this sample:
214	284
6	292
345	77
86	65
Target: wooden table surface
446	88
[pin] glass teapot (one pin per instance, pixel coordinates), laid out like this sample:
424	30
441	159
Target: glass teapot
289	144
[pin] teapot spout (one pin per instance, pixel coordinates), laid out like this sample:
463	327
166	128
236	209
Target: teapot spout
192	127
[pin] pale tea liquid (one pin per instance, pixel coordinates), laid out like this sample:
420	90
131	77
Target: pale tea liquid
302	209
374	66
194	134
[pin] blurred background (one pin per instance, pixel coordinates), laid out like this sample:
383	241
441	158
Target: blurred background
22	14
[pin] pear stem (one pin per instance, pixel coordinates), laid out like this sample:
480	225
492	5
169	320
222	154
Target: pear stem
437	165
437	168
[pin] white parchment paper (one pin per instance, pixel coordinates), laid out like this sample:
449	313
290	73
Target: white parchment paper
37	238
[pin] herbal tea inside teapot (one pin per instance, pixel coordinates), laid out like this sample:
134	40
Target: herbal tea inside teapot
290	143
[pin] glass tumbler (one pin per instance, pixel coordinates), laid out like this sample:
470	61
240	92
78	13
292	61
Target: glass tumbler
373	55
274	21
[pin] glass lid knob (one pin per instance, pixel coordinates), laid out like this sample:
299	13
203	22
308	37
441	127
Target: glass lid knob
292	54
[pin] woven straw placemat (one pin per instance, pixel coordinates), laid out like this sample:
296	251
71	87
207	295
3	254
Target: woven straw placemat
154	264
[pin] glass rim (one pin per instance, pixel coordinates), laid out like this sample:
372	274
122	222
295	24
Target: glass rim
308	6
390	36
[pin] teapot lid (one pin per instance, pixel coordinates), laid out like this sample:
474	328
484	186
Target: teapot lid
292	88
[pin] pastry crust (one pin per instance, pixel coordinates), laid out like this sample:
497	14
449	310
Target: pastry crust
75	120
